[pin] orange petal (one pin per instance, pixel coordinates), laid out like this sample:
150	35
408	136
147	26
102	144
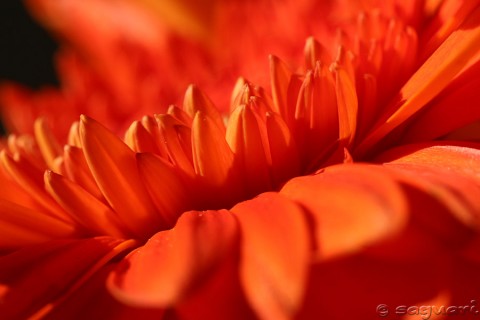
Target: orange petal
29	179
114	168
245	139
76	169
36	276
190	18
174	262
178	149
151	125
432	77
439	117
462	157
180	115
47	142
83	207
352	206
315	52
20	226
275	254
73	135
195	101
213	159
283	150
139	139
285	87
347	104
452	213
168	190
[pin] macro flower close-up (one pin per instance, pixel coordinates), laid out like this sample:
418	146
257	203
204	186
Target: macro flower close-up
245	160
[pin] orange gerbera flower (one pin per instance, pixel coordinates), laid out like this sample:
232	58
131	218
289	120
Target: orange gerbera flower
334	193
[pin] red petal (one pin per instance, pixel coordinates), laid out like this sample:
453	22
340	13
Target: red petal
20	226
33	278
93	301
352	206
173	262
275	254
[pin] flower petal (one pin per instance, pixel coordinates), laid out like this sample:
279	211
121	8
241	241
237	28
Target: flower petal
174	262
93	301
450	110
462	157
20	226
432	77
275	256
169	192
244	137
87	210
114	168
28	178
35	277
352	206
214	161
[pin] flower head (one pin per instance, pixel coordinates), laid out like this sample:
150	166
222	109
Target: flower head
333	182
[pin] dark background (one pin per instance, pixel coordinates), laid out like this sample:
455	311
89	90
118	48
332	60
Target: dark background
26	50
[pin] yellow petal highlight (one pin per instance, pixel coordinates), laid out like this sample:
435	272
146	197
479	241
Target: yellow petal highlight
196	101
49	146
191	18
347	104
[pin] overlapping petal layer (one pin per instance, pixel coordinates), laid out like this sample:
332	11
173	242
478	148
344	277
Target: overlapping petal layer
402	229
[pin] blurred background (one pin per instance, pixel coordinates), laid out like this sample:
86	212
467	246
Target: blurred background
26	50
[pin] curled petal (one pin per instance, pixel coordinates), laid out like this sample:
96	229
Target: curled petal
275	254
352	206
174	262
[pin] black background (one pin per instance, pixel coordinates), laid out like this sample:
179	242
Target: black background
26	50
